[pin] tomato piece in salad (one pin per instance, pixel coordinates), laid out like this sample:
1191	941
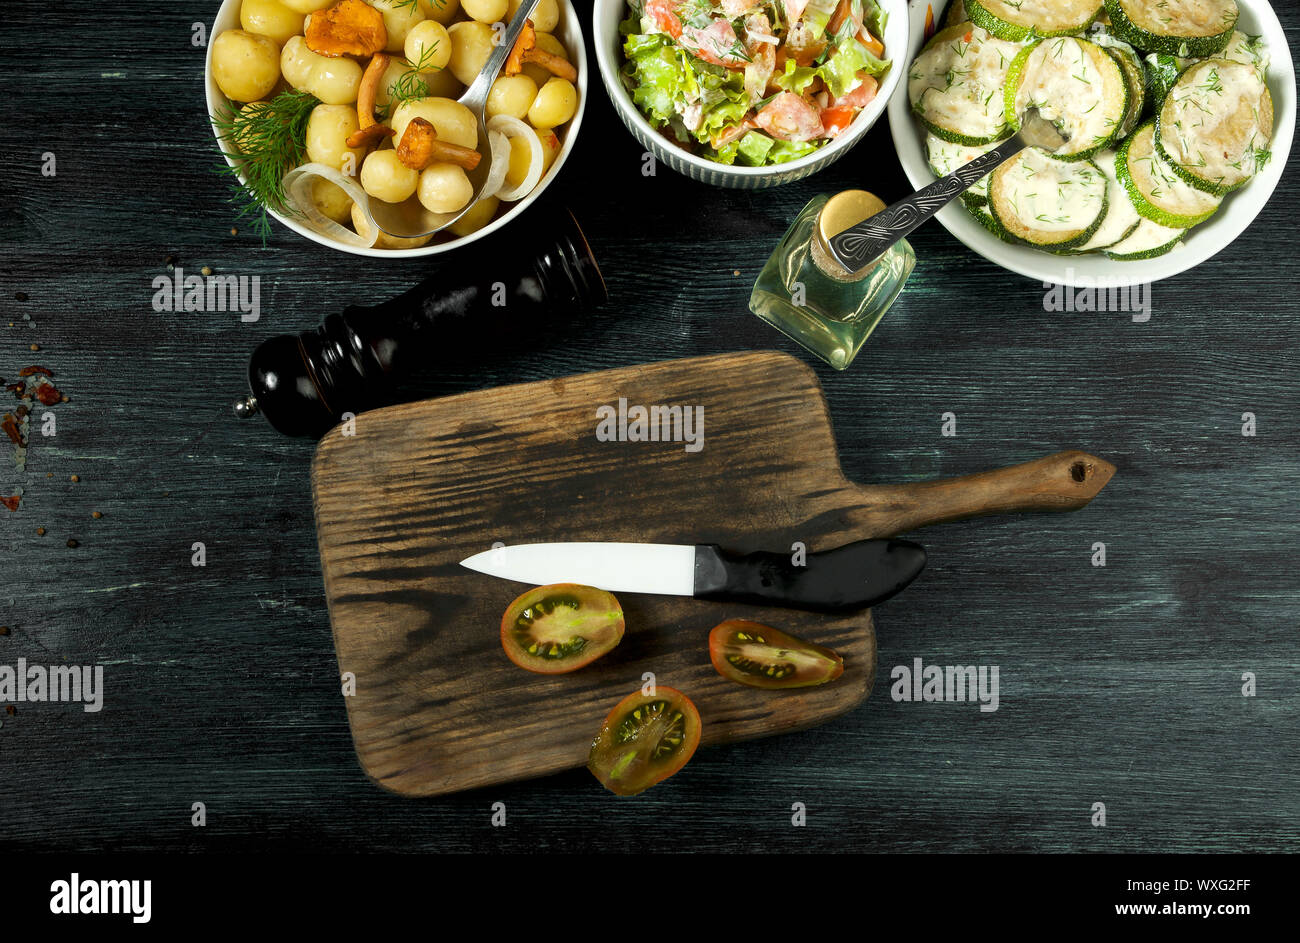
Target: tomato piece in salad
645	739
763	657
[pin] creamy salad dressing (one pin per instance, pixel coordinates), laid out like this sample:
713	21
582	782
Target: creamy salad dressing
957	84
1218	121
1246	49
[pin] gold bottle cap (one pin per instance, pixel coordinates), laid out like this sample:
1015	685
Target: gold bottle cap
844	209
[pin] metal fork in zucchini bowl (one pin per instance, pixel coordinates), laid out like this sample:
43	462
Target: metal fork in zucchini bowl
860	245
410	219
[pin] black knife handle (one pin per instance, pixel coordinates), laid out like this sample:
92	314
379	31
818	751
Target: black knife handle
847	578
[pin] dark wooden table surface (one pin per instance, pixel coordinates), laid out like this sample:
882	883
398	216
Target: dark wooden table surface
1120	685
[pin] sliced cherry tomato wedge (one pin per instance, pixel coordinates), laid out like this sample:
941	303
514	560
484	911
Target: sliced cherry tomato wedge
764	657
644	740
562	627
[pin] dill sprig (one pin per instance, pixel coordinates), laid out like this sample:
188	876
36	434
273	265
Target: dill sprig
410	84
264	141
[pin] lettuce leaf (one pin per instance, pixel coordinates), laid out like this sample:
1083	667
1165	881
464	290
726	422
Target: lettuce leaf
753	149
783	151
840	70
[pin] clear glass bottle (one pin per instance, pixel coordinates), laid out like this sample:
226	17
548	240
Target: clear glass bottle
805	293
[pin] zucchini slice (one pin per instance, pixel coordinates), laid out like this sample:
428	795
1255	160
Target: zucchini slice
1019	20
1157	192
1074	84
1121	219
1196	28
955	85
1148	241
1135	78
1048	203
1216	125
944	157
986	219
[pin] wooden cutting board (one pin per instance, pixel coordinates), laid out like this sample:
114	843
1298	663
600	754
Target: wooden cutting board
439	708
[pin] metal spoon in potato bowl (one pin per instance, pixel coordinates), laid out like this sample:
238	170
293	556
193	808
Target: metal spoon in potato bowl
411	219
858	246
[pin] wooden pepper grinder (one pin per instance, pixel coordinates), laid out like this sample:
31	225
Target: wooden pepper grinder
303	384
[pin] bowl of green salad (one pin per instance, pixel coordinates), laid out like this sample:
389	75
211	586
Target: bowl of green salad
750	93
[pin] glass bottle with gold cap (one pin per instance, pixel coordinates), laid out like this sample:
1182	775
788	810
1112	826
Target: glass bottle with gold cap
804	292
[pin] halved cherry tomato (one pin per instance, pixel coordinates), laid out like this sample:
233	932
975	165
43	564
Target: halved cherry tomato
562	627
644	740
764	657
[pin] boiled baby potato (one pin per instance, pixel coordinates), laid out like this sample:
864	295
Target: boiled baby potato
444	188
328	130
307	6
270	18
335	81
556	103
444	11
485	11
476	217
511	95
245	66
386	178
451	120
384	241
429	45
546	16
471	44
400	16
331	199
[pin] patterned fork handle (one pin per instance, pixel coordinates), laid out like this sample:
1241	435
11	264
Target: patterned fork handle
869	239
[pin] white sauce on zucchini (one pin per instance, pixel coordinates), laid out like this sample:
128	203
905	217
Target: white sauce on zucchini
1046	16
1120	215
1218	122
945	157
1191	18
957	85
1078	87
1156	180
1146	238
1050	196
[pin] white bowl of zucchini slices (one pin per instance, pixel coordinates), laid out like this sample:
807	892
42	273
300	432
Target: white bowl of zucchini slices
1179	116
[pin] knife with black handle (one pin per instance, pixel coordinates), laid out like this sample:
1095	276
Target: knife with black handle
844	579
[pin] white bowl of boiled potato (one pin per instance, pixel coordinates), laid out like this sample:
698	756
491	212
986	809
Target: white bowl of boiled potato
264	53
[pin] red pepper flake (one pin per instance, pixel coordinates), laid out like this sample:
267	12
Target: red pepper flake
11	503
10	426
4	630
18	389
10	710
34	369
47	394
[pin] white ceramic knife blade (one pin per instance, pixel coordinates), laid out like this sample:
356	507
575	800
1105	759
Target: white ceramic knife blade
661	569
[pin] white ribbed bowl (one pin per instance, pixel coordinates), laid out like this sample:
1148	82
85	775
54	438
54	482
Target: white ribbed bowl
609	59
569	33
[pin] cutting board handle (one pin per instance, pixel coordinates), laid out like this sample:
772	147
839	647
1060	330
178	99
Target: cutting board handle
1065	481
